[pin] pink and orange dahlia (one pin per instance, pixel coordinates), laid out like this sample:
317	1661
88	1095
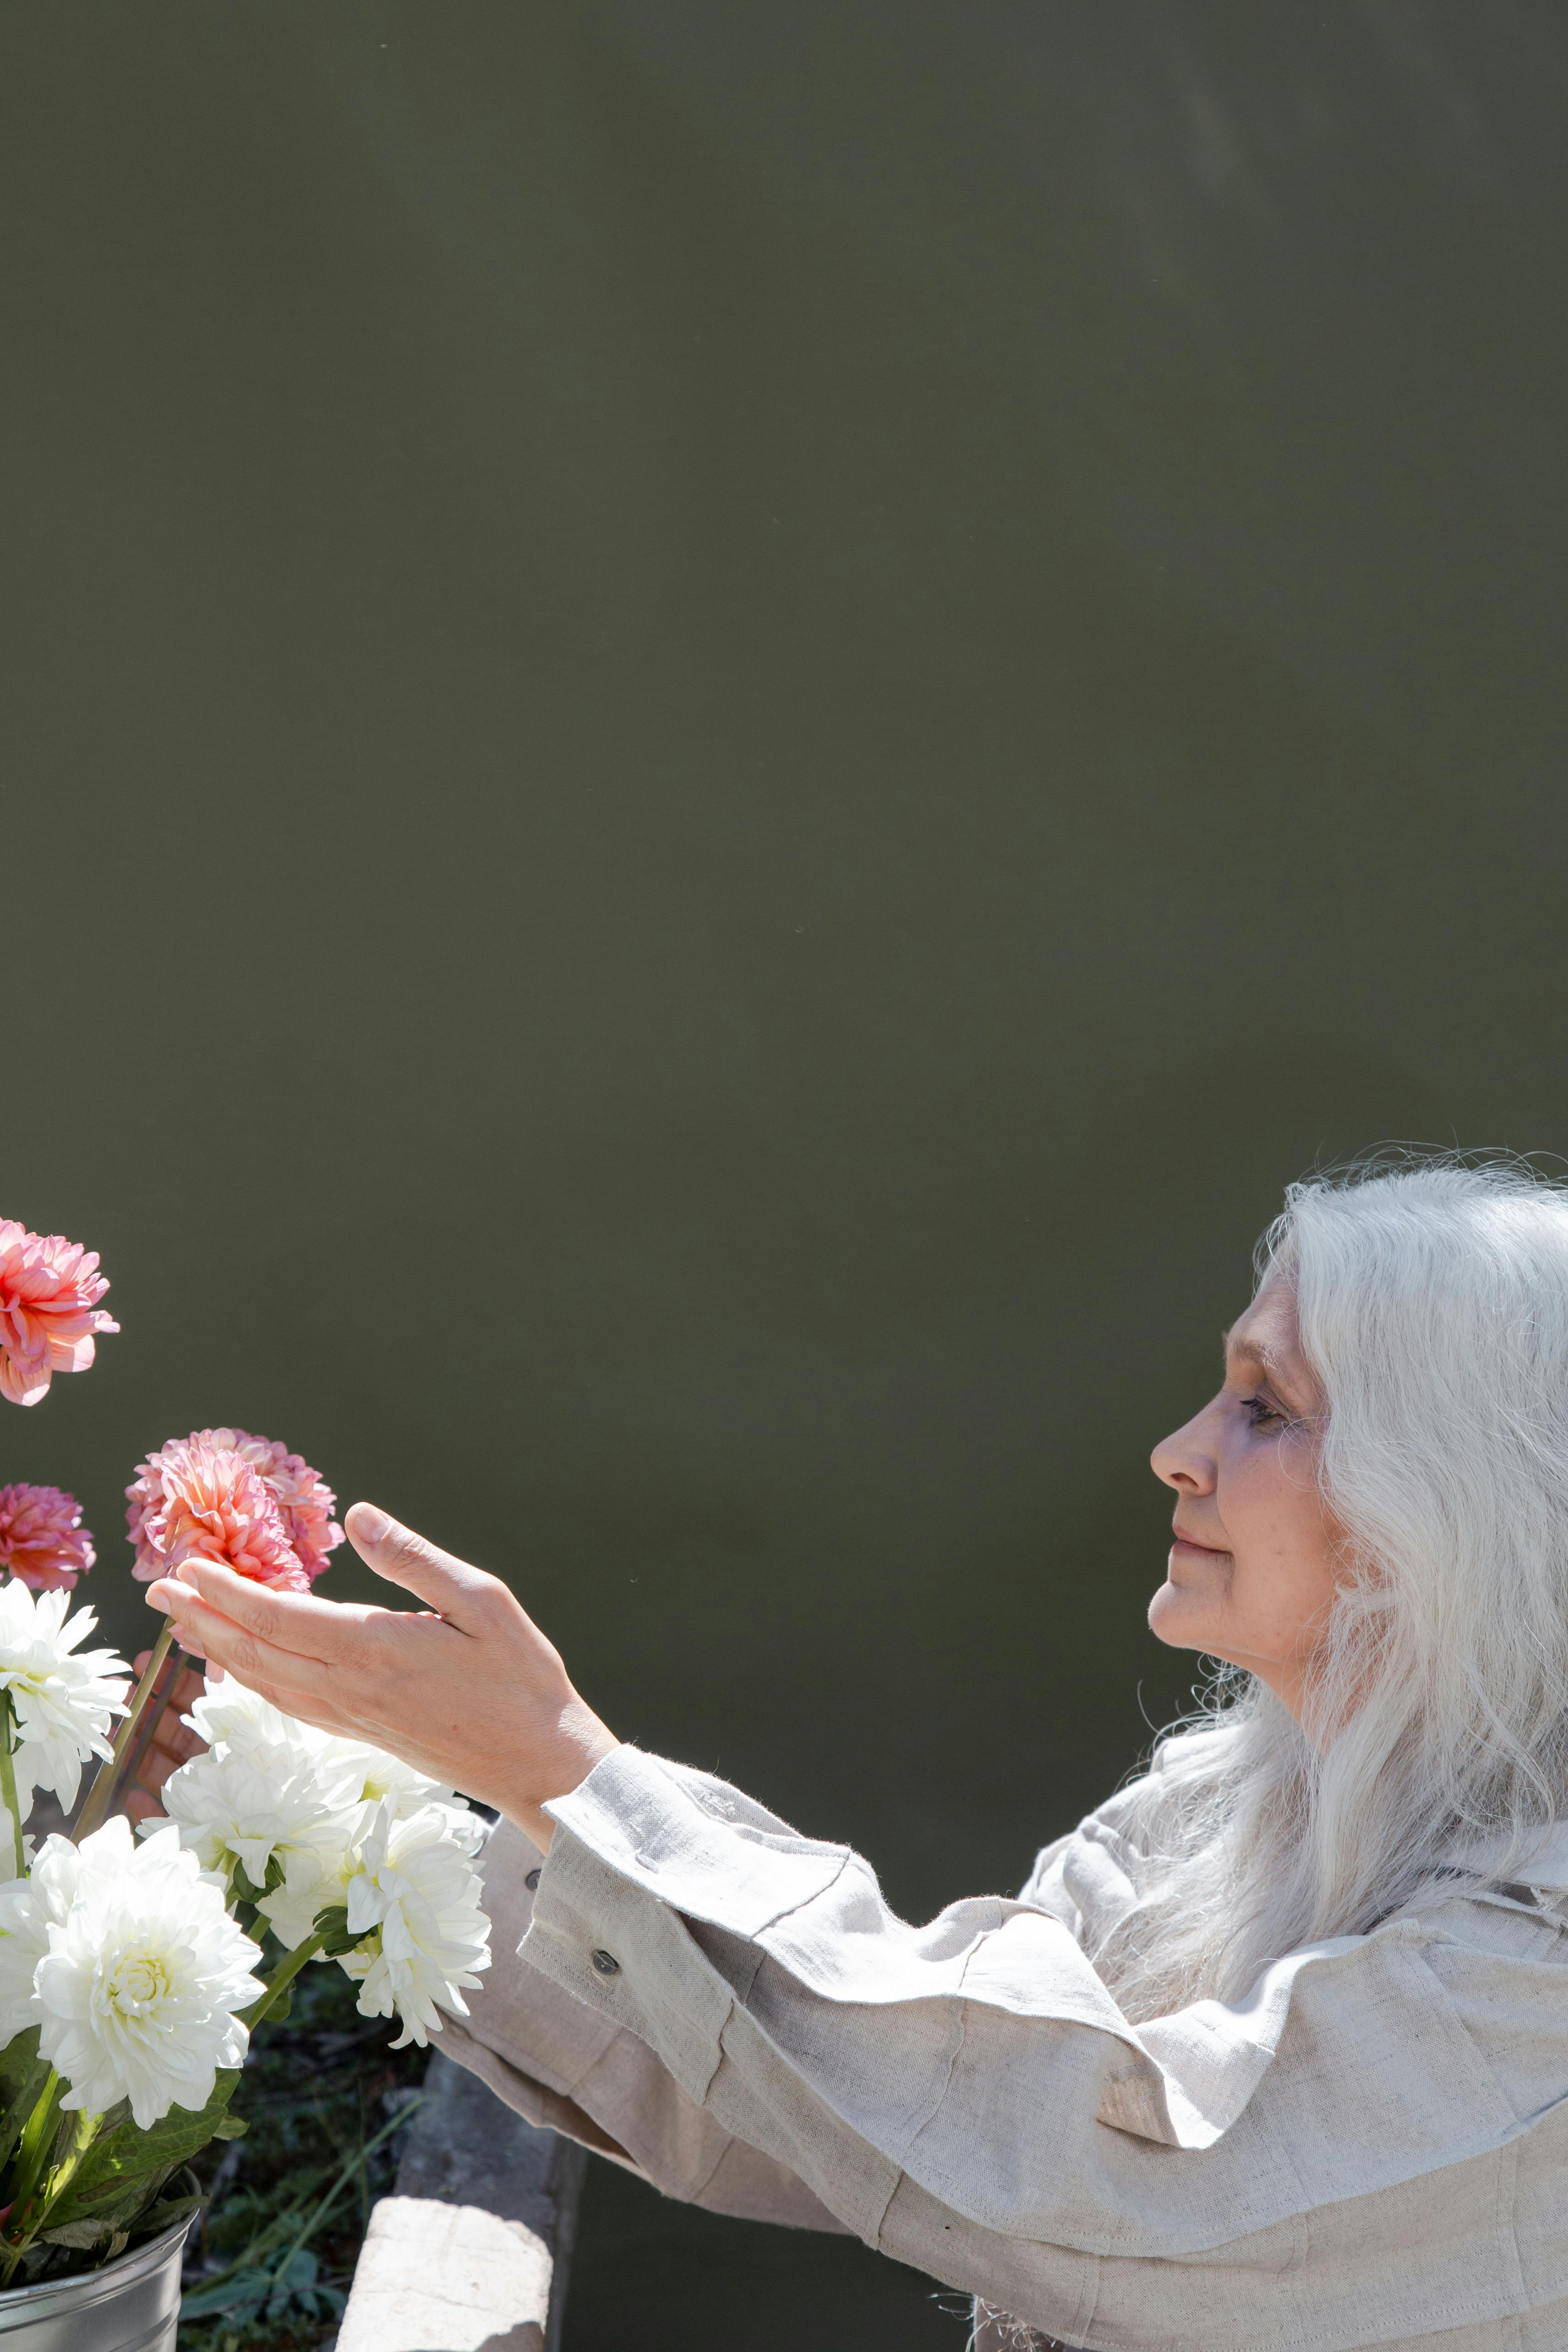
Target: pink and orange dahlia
49	1290
213	1504
280	1501
42	1539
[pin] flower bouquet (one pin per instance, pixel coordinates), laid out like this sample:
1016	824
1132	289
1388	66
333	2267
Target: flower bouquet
133	1966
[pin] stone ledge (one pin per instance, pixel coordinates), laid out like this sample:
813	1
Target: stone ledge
472	2253
447	2278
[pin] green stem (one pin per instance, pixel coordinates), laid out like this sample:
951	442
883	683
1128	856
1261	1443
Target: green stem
33	2137
289	1968
352	2165
100	1797
8	1788
29	2163
66	2171
259	2246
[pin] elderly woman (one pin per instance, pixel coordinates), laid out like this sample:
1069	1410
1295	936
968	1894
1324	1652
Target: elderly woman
1273	2049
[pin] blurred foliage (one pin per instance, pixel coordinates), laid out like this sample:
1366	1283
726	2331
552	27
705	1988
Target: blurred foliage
324	2097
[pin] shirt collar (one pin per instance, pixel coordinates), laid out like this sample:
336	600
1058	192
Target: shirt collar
1543	1862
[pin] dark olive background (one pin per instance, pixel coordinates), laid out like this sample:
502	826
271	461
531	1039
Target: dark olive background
724	729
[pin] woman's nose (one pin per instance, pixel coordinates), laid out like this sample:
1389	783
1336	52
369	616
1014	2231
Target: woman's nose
1185	1460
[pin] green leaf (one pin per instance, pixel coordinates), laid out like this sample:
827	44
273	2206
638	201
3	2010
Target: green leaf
333	1924
111	2233
230	2127
241	2295
166	2210
81	2234
17	2059
118	2206
126	2156
15	2121
23	2075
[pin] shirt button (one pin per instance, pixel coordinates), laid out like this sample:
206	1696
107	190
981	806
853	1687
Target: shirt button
607	1964
531	1881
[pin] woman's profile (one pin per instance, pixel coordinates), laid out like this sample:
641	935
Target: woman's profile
1272	2050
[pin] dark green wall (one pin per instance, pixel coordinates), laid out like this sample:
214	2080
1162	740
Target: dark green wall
724	727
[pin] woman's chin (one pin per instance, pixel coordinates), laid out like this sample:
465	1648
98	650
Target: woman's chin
1180	1620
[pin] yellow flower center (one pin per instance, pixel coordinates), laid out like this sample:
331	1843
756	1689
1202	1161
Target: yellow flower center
140	1982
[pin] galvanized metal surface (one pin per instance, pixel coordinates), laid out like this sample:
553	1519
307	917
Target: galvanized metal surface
130	2305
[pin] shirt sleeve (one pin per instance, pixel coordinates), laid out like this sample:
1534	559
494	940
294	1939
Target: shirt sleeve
969	2097
569	2067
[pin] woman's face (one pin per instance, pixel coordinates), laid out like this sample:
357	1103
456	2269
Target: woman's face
1254	1566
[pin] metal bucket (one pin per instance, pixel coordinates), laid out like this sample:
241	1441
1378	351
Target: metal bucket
130	2305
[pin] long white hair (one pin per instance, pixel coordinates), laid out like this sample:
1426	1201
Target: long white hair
1433	1306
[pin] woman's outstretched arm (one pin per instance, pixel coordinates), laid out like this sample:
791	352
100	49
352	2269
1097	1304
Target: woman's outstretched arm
466	1690
470	1688
1373	2137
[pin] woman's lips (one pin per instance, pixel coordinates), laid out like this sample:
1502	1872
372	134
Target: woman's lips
1201	1550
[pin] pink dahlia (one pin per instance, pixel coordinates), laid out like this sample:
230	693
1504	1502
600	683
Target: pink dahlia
49	1290
42	1539
300	1496
210	1504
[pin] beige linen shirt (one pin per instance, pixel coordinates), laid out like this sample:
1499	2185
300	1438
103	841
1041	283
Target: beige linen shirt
1371	2148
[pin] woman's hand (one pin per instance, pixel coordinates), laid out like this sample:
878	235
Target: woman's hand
468	1691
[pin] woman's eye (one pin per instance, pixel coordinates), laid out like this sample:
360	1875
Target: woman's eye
1261	1413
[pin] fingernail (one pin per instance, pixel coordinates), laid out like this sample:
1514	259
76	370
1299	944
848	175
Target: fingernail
369	1525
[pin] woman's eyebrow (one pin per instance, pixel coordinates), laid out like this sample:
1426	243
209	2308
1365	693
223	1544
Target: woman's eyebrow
1292	1381
1253	1352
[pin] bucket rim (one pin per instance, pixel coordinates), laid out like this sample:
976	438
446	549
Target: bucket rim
89	2288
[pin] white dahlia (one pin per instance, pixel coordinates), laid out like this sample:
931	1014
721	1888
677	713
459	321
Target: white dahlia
139	1990
384	1775
314	1880
414	1899
64	1703
227	1715
27	1908
251	1804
